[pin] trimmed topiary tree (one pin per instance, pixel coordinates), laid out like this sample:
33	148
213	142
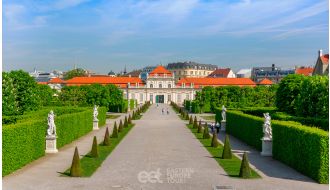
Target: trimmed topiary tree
226	153
245	171
187	116
190	120
195	125
95	149
214	142
114	131
129	119
120	128
206	134
106	141
200	128
75	170
125	122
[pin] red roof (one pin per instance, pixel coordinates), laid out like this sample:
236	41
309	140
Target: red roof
160	71
265	81
325	59
118	81
220	73
56	81
200	82
307	71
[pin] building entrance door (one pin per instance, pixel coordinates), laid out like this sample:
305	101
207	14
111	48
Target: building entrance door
160	99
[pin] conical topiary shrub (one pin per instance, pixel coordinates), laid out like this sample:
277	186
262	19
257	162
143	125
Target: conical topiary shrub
95	149
200	128
245	171
125	122
75	170
206	134
114	131
187	116
133	115
214	142
120	128
226	153
129	119
190	120
195	125
106	141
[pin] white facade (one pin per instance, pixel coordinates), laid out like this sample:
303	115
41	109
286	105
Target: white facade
160	89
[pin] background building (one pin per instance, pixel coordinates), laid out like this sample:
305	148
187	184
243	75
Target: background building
244	73
275	74
222	73
190	69
322	64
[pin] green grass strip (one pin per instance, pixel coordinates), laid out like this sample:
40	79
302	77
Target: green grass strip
112	116
89	164
231	166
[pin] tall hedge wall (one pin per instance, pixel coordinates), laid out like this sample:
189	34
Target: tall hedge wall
303	148
24	141
247	128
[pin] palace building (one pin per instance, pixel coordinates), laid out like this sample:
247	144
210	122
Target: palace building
159	86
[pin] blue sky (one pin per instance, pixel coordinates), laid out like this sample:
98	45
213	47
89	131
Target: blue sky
104	35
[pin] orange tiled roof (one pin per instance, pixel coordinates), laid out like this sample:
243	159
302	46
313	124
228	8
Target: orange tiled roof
119	81
198	82
220	73
307	71
325	59
42	82
160	71
266	81
56	81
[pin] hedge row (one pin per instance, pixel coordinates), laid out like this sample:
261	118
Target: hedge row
303	148
246	127
24	141
309	121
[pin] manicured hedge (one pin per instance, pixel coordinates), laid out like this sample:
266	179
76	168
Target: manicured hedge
303	148
322	123
24	141
247	128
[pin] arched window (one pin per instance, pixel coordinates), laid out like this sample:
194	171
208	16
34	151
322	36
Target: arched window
160	85
169	85
151	85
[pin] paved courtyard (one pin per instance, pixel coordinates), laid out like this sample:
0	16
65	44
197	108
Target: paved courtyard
158	153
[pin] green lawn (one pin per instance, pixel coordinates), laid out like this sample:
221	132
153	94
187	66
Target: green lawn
112	116
231	166
208	117
89	165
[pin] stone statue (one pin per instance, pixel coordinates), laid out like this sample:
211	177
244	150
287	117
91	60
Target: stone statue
95	113
267	129
223	113
51	131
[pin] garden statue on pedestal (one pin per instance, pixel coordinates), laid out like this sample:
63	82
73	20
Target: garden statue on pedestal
95	120
223	121
51	134
267	140
223	113
51	131
95	113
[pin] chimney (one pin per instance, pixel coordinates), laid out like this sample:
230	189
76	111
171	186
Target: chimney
320	52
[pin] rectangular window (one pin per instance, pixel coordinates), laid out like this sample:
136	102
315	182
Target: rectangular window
151	98
169	97
141	97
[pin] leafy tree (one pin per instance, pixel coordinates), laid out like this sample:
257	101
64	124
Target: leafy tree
287	93
45	94
9	96
74	73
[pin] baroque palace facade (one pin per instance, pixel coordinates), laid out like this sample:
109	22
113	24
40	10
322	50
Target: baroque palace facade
159	86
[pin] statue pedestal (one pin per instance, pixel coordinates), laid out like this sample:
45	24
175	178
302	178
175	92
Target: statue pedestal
51	144
95	125
267	147
223	125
